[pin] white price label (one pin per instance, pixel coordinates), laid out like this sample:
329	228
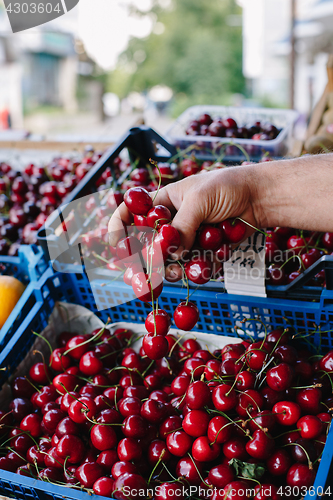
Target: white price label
245	271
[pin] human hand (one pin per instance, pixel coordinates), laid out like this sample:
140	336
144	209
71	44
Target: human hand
210	197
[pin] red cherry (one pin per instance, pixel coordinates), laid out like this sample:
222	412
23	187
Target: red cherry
190	470
72	447
280	377
129	449
326	363
249	401
158	451
169	491
310	426
220	475
39	373
224	397
161	319
88	473
328	241
120	468
204	451
155	346
103	437
153	411
279	463
138	201
65	382
179	443
199	270
210	237
104	486
186	316
76	346
130	482
90	364
168	239
287	412
170	424
145	288
81	408
233	230
195	423
128	249
212	369
300	475
197	395
32	424
158	216
219	429
261	445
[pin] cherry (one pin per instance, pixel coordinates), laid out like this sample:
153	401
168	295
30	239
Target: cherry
233	230
266	491
147	288
310	426
310	257
300	475
138	391
279	462
219	429
280	377
128	249
249	401
72	448
179	443
52	418
224	397
263	419
204	451
309	400
88	473
129	482
172	423
210	237
120	468
158	451
220	475
199	270
327	241
39	373
255	356
235	448
326	363
129	406
155	346
162	321
195	423
194	367
20	407
35	455
158	216
191	346
103	486
287	412
138	201
76	346
261	445
190	470
153	411
186	316
64	382
245	380
223	253
134	426
82	408
169	491
129	449
197	395
107	459
272	251
212	369
32	424
90	364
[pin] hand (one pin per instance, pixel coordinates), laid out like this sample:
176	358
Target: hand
210	197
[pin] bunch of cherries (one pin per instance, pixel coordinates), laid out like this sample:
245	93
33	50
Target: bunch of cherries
28	197
145	254
101	417
227	127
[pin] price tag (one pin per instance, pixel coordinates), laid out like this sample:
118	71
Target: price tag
245	271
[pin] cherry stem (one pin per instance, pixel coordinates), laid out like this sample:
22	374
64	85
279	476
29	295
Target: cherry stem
186	281
91	339
45	340
153	162
156	465
36	389
253	227
302	447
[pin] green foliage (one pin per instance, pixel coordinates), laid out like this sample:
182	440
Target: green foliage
199	54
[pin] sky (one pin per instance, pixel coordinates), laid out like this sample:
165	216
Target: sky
104	26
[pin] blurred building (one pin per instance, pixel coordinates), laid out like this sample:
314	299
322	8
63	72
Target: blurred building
37	68
267	47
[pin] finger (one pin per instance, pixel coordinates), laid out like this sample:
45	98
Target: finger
162	198
173	272
117	224
187	221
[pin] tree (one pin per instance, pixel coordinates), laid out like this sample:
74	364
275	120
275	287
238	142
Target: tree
198	54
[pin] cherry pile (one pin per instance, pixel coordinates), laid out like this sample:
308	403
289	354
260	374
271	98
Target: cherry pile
290	252
101	417
29	196
227	127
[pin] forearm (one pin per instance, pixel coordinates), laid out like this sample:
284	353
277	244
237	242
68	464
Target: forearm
294	193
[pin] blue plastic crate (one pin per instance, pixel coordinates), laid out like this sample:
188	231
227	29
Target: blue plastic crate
27	267
219	314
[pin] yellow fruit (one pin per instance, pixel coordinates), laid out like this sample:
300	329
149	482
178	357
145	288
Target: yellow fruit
11	290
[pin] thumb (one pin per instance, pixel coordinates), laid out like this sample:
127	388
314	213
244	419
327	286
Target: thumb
187	221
